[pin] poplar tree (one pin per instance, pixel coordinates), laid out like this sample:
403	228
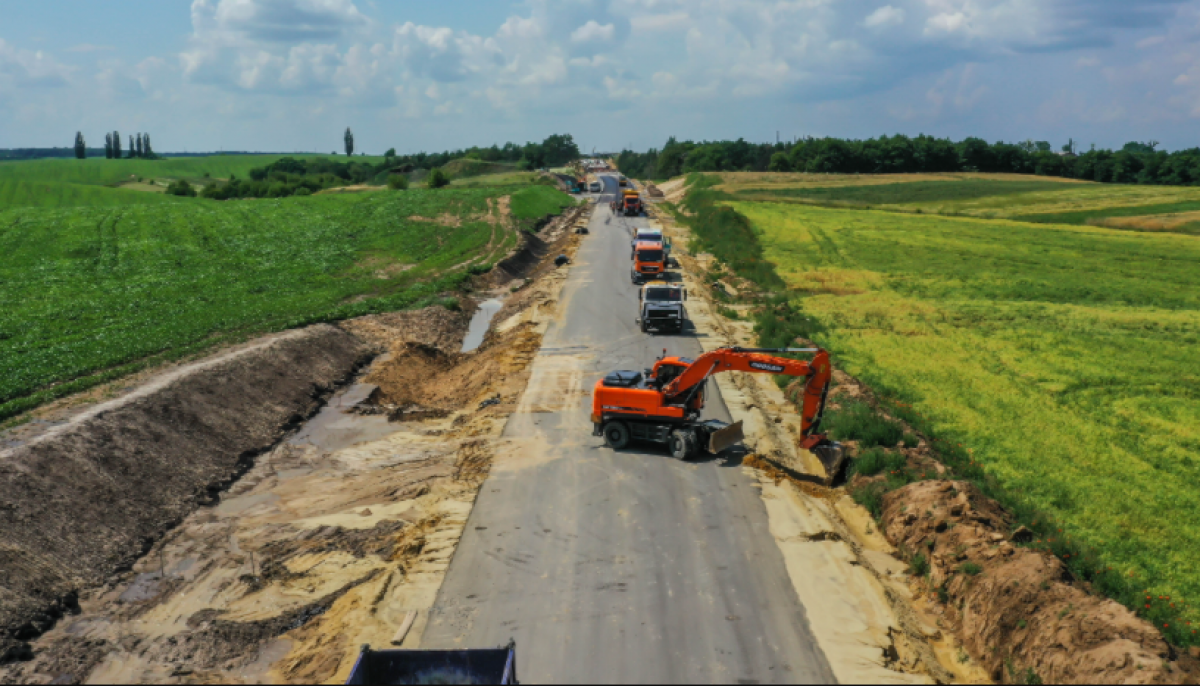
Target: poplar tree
147	150
116	137
140	153
108	146
349	142
80	146
132	148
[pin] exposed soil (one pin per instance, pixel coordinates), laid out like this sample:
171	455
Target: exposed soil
85	500
1017	611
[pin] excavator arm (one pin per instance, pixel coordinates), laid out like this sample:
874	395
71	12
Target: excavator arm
759	361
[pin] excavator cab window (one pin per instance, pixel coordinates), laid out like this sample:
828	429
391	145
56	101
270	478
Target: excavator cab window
667	374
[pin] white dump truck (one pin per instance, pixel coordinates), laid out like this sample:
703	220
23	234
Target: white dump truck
660	308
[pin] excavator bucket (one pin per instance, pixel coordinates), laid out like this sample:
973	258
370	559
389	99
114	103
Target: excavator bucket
722	439
833	458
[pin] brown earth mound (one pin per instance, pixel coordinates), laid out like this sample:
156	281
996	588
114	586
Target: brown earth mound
85	501
433	326
1015	609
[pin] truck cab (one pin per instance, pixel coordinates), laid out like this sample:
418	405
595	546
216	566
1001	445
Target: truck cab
649	261
595	187
646	235
660	307
631	203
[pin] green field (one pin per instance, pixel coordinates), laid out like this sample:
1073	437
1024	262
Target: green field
1065	358
1032	199
69	183
91	293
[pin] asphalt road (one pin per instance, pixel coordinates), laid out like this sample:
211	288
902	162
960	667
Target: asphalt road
618	567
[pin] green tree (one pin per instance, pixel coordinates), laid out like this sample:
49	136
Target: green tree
108	146
391	152
139	147
116	138
397	182
349	142
132	148
181	188
148	151
779	163
80	146
438	178
559	149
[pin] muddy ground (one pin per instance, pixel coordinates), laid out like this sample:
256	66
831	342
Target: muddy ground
297	555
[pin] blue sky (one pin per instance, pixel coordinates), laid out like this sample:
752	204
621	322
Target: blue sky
287	75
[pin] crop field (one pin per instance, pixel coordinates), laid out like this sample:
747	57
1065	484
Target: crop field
68	183
1032	199
1065	358
90	293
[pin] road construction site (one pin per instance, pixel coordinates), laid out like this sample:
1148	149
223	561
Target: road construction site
443	498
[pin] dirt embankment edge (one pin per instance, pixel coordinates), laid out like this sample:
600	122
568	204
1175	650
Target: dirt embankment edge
86	500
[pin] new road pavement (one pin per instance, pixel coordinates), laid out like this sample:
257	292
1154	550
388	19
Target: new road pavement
618	567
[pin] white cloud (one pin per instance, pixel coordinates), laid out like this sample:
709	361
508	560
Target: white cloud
593	32
1150	42
884	16
1182	80
29	69
88	47
1088	62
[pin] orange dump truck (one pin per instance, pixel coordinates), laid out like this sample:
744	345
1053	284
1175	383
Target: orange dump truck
631	203
649	261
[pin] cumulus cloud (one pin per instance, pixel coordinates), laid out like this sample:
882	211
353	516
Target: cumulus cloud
29	69
884	16
593	32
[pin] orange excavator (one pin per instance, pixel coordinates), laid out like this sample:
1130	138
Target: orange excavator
663	404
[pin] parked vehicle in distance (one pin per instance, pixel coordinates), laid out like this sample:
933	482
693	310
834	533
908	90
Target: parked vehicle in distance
660	307
595	187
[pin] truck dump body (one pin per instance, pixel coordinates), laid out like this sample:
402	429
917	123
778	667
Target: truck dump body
479	666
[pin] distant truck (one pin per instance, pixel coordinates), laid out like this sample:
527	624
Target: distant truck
595	187
622	181
631	203
660	308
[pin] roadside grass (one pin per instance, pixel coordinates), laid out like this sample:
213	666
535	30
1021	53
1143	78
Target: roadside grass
1064	359
512	178
88	294
532	204
68	182
465	168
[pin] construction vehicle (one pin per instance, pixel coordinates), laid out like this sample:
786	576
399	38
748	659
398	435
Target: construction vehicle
622	181
649	262
595	187
648	235
660	307
662	405
470	666
631	203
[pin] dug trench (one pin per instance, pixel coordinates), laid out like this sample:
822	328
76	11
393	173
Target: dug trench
257	516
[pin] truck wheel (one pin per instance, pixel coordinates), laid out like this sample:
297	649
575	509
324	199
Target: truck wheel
682	444
616	435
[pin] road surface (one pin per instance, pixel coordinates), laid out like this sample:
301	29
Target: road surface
622	566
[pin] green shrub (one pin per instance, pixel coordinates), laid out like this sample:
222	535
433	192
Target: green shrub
397	182
910	440
918	565
181	188
858	422
437	179
876	460
970	568
302	192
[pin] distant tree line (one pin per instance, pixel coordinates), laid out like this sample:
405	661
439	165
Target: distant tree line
1136	162
291	176
139	147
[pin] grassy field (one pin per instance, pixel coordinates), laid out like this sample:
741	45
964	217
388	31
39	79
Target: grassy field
69	183
1066	358
988	196
466	168
511	178
90	293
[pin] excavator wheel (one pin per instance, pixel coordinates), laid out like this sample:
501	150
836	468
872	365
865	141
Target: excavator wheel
682	444
616	435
